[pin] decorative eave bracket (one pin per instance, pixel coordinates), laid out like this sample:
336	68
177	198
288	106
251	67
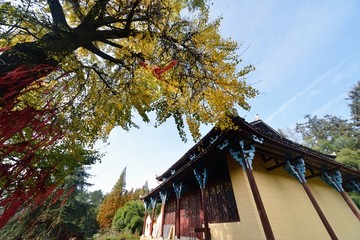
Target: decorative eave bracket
201	177
163	196
177	189
146	205
353	185
153	202
334	180
245	156
297	169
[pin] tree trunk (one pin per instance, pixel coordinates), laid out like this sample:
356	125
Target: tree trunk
51	49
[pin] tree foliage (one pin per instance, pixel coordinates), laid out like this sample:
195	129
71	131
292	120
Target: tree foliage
333	135
130	217
354	97
112	202
124	56
73	70
328	135
75	218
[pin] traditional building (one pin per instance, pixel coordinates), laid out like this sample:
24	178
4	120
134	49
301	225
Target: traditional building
251	183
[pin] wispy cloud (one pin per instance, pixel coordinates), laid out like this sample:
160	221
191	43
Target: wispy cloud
334	103
309	90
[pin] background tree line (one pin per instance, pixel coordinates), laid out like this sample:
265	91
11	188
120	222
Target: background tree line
333	135
82	214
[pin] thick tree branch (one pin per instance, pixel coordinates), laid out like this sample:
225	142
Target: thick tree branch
131	15
57	14
111	34
138	55
112	43
91	47
110	20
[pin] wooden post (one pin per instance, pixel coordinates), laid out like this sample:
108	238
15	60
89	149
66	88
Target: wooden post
206	221
319	212
298	170
202	179
177	219
350	204
177	189
260	206
245	157
335	180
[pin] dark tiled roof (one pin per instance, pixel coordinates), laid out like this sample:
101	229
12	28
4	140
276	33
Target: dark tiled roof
259	128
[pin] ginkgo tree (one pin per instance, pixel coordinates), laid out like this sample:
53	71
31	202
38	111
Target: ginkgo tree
73	70
115	54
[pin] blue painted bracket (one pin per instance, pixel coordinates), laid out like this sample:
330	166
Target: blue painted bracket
146	205
257	139
153	202
213	139
301	168
163	196
172	171
193	156
334	180
244	157
201	178
177	189
223	144
353	185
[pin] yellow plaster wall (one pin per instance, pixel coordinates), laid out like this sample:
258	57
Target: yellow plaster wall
249	226
290	212
342	220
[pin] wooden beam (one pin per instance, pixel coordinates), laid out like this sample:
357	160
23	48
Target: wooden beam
314	175
280	164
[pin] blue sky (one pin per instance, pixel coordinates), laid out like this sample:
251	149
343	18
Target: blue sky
307	57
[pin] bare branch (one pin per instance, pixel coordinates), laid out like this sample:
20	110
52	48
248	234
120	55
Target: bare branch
104	80
57	14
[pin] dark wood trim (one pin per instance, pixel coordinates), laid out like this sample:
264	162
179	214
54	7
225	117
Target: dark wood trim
317	207
314	175
277	165
260	206
351	205
206	221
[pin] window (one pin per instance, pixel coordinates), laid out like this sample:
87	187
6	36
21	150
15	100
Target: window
221	203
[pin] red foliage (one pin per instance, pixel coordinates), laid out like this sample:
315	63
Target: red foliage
23	184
